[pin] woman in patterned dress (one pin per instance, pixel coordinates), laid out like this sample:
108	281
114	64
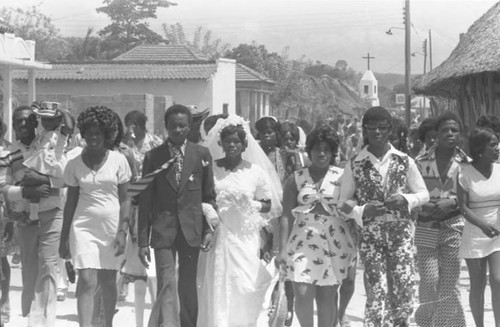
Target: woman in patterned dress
319	251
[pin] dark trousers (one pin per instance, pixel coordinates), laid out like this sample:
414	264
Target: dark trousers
166	303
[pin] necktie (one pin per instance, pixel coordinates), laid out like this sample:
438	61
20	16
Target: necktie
178	164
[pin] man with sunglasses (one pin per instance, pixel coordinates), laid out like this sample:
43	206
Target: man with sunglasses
387	185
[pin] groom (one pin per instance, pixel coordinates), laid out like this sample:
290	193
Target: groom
171	220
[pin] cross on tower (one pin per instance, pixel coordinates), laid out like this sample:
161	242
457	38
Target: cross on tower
368	59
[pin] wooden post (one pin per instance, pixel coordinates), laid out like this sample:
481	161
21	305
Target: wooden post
31	86
491	93
7	101
430	51
407	64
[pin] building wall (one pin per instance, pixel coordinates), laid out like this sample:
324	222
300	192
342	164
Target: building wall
121	103
224	86
188	92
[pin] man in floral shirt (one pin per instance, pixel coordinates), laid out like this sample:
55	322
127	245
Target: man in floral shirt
387	185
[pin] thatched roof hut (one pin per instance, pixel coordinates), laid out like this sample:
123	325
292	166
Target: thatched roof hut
471	74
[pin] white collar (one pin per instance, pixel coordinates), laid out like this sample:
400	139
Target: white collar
364	153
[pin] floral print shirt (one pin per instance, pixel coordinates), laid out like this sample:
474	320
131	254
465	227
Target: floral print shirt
368	178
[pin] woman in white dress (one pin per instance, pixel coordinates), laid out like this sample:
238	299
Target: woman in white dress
95	215
479	201
232	280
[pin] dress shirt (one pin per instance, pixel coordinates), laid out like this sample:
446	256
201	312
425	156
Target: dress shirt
418	191
12	190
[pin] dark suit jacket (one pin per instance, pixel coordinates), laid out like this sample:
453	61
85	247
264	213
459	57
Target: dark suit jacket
165	208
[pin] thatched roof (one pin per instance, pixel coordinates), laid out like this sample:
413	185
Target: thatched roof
478	51
4	28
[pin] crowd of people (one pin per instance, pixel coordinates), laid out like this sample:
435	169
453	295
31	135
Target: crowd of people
206	218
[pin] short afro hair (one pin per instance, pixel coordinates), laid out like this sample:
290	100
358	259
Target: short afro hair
292	128
102	117
117	138
446	116
427	125
490	121
178	109
399	133
234	129
376	114
271	122
478	141
323	134
136	117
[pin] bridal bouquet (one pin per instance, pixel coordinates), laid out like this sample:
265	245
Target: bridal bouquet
244	204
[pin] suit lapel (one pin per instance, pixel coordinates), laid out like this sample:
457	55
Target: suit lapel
187	167
169	174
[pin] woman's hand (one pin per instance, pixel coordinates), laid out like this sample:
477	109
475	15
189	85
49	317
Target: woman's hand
145	256
374	209
444	207
207	242
64	252
281	259
119	243
489	230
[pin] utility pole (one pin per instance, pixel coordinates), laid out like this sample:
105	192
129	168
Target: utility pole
424	50
430	51
407	64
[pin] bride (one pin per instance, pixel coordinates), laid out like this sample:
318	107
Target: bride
232	280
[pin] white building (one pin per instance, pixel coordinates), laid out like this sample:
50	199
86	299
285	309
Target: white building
369	88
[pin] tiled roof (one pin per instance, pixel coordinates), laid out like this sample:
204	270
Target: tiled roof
181	53
244	73
103	71
162	52
146	62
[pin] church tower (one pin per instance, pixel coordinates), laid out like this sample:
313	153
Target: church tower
369	86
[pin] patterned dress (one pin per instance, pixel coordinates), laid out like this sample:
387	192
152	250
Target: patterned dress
320	248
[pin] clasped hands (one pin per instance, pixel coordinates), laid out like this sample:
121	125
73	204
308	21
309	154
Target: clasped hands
437	209
377	208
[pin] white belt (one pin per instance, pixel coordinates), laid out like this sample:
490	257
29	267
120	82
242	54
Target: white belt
385	218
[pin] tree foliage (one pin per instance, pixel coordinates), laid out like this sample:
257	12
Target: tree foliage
31	24
202	40
87	48
303	89
341	71
129	26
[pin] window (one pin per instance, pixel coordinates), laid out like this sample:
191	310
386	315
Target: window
375	89
366	89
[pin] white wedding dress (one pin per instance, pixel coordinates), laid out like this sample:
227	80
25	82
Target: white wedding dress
232	280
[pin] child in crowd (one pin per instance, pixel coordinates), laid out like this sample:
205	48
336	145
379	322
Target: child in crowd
48	157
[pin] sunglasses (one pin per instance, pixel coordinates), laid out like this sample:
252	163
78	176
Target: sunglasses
381	128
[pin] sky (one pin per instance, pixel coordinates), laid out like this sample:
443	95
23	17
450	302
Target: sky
324	31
